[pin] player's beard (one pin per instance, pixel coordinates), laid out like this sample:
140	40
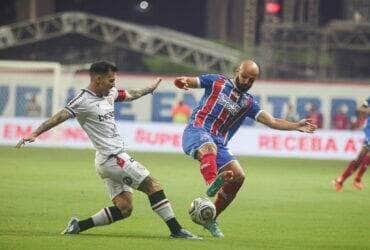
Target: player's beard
242	87
106	92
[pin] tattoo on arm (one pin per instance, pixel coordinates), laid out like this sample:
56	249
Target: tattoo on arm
53	121
134	94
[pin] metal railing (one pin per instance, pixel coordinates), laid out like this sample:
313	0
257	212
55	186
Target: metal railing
176	46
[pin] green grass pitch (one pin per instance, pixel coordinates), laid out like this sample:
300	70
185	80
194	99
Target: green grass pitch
284	204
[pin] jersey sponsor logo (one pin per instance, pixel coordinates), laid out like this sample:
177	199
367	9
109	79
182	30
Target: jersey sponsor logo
236	118
225	114
226	102
107	116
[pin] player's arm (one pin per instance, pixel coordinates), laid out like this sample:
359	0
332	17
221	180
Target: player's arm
303	125
134	94
53	121
185	82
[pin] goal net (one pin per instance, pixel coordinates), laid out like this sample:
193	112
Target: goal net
36	89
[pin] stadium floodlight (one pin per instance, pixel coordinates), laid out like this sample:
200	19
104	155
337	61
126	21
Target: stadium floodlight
143	6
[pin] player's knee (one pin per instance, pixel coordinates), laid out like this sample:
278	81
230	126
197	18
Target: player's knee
206	149
150	185
125	208
123	203
239	175
209	148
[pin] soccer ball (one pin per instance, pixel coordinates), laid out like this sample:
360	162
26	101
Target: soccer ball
202	211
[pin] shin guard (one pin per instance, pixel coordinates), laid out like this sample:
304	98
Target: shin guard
208	167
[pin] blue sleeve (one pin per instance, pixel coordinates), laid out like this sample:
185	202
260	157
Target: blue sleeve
254	110
367	102
206	81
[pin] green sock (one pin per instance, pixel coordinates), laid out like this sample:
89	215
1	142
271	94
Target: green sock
215	186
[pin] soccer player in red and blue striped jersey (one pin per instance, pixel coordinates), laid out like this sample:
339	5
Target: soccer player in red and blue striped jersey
362	160
221	111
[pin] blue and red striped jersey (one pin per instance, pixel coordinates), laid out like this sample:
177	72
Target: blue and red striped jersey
222	108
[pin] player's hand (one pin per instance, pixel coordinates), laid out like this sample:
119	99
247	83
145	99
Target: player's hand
156	82
306	125
29	139
181	83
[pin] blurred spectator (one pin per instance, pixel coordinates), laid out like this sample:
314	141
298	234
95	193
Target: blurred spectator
180	112
315	116
291	114
353	123
340	118
33	107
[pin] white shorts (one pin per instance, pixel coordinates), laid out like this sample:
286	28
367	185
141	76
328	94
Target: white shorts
121	173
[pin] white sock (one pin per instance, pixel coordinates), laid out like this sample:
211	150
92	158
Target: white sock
103	217
164	210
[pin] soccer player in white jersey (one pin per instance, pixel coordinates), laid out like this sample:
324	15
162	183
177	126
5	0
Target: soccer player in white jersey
94	109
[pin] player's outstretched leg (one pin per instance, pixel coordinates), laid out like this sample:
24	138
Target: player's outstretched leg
125	169
105	216
338	182
352	167
162	206
226	194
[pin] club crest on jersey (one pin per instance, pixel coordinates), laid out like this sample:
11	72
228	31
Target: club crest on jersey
226	102
248	102
127	180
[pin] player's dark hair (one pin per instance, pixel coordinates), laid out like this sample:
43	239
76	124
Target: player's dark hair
102	68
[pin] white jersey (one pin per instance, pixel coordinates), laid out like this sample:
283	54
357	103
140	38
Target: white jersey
96	116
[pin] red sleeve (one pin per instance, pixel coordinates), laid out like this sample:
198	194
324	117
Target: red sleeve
121	95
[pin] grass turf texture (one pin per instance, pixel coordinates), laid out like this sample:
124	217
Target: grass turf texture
284	204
